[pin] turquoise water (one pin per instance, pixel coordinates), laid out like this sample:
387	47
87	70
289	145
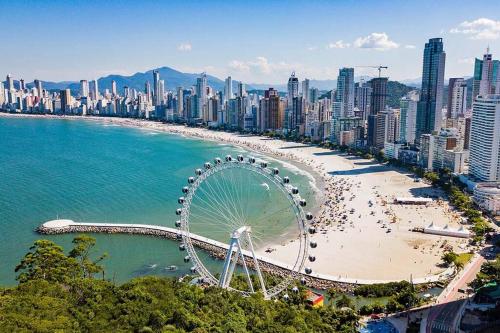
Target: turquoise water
89	171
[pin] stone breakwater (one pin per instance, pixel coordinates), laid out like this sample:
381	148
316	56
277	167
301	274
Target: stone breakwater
213	250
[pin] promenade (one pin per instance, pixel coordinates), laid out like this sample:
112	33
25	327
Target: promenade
322	280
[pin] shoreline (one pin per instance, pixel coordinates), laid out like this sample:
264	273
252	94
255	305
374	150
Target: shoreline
356	212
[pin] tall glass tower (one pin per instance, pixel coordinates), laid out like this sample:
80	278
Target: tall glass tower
429	114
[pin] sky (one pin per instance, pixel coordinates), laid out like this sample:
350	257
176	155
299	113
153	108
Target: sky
253	41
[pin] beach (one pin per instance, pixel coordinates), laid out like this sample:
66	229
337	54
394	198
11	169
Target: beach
356	213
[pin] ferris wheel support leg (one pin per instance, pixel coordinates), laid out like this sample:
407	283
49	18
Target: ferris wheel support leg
234	261
249	279
257	268
227	263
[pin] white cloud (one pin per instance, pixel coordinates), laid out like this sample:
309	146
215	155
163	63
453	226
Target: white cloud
376	40
261	65
481	28
185	47
468	61
338	45
409	46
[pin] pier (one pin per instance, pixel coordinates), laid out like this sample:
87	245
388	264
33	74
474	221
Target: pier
218	250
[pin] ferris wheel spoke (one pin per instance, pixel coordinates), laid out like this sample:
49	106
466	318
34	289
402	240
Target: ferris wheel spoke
214	214
218	204
225	192
222	203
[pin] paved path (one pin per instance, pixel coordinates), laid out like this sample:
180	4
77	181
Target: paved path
445	315
64	225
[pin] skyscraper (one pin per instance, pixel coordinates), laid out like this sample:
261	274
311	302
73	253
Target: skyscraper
180	102
486	78
10	82
293	89
306	91
408	117
242	92
84	88
65	96
113	89
457	98
484	160
377	105
228	89
431	98
201	95
345	91
156	86
38	87
362	98
161	92
94	90
379	94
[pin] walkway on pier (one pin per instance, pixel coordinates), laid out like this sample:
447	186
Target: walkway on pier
66	226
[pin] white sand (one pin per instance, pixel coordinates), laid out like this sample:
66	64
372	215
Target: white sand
358	248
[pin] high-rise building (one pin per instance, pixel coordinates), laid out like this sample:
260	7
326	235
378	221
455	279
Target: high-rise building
228	89
161	92
156	87
486	82
377	105
2	94
94	90
242	92
65	96
22	85
38	87
114	90
484	161
362	98
201	95
408	117
180	102
345	91
429	108
293	89
379	94
10	83
84	88
457	98
271	111
306	91
486	79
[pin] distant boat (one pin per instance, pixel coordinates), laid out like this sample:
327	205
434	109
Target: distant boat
171	268
153	266
265	185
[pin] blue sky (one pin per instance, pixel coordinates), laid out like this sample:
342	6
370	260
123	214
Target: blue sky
254	41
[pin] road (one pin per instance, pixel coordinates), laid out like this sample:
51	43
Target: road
444	316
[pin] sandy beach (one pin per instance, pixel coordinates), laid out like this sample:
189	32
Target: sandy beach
358	209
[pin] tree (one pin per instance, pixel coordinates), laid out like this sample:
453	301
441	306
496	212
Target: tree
344	302
46	261
83	245
449	258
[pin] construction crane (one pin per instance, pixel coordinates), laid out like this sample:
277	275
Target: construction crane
377	67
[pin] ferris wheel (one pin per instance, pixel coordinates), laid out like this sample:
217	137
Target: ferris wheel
241	205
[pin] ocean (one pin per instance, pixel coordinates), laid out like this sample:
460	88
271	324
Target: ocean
91	171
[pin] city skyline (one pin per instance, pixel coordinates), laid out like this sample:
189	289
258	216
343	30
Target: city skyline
321	39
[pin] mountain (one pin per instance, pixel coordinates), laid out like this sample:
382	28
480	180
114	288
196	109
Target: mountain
395	90
172	77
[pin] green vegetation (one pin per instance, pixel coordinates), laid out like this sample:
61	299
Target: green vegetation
402	295
490	271
459	260
62	293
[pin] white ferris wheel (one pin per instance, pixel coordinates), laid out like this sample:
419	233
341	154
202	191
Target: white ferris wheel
242	204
